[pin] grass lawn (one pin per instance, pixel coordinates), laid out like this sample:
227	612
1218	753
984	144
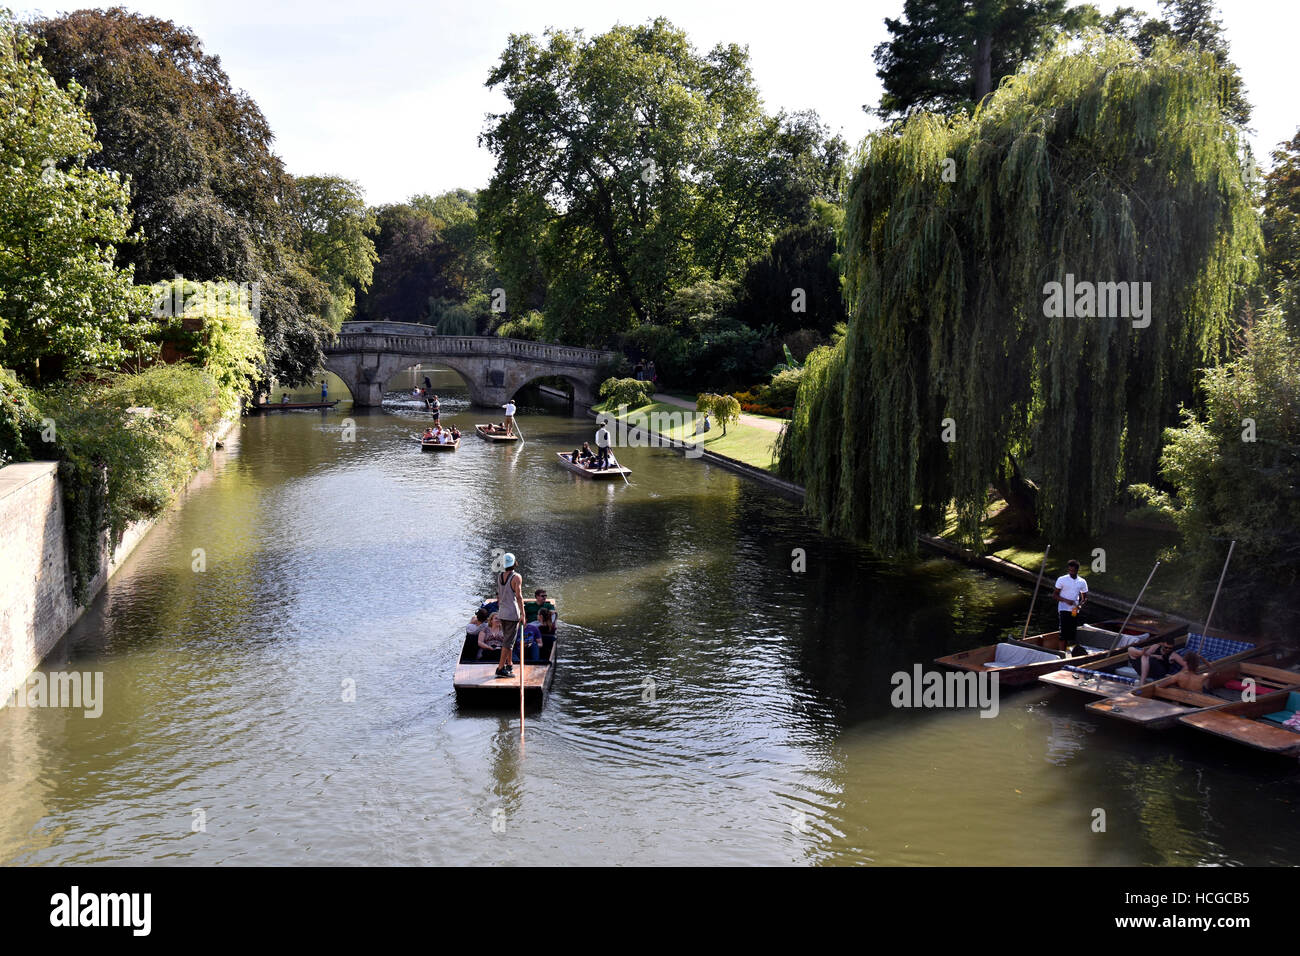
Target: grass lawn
1130	553
742	442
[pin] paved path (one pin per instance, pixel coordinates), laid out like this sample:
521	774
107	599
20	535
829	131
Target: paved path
767	424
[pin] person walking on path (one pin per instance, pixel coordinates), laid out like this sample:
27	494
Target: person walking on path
1071	594
510	607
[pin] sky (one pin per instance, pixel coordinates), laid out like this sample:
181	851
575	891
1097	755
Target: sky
391	94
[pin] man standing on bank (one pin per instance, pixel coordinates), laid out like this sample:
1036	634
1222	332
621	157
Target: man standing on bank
1071	595
510	609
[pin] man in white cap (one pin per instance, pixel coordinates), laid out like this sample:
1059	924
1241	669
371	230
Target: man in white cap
510	417
510	611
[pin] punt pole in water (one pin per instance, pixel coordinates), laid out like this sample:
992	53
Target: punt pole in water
523	656
1034	599
1223	574
1139	599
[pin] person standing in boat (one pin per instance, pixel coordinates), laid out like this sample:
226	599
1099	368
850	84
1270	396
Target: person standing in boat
509	423
510	607
324	391
602	447
1071	595
436	407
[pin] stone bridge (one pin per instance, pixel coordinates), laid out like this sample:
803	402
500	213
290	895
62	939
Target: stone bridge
367	354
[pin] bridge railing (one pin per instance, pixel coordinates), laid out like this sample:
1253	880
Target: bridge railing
374	337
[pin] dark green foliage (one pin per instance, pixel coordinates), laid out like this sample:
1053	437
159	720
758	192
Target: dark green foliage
1099	164
626	391
801	258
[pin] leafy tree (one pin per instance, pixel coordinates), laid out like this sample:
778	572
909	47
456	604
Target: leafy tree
227	346
1235	471
210	198
1098	164
471	269
412	267
725	409
630	165
336	229
802	259
63	301
626	391
1281	225
945	56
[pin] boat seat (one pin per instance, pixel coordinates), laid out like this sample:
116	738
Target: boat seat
1282	716
1012	655
1214	648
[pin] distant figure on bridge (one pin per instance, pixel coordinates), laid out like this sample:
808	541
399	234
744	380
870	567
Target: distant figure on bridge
510	417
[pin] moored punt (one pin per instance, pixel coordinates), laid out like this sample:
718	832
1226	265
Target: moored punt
477	683
1159	704
292	406
484	433
614	471
1258	724
1019	662
1115	675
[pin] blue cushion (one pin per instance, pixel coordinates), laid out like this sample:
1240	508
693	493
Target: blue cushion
1281	716
1214	648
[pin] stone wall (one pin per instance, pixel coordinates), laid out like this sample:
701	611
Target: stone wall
36	605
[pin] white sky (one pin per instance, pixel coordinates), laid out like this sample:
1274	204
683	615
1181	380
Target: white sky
391	93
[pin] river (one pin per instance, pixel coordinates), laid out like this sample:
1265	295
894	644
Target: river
712	705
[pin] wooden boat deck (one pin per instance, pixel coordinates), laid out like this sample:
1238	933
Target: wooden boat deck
1243	723
477	683
1162	703
488	436
613	471
979	660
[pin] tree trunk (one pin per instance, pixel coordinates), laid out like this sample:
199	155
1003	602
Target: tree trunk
982	72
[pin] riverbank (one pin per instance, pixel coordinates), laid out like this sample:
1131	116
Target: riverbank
38	608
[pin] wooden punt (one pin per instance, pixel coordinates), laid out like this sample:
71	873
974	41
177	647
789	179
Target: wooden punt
439	446
477	684
1112	676
1244	723
1160	704
292	406
489	436
614	471
1040	654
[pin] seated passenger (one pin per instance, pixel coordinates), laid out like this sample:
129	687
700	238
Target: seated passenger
540	603
490	636
428	435
455	433
1160	660
532	643
476	622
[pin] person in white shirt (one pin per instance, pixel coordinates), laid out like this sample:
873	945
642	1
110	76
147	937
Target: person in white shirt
602	447
1071	595
510	417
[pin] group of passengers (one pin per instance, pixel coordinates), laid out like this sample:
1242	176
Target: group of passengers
539	622
438	435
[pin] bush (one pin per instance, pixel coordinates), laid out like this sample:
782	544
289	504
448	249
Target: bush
530	325
724	408
613	366
781	392
19	420
626	391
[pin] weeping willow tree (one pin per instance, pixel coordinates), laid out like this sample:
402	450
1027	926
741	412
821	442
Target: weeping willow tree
1093	162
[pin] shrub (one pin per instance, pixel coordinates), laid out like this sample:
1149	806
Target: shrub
626	391
530	325
19	420
783	388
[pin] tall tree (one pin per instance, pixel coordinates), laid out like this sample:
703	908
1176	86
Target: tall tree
1281	278
630	165
336	228
63	300
959	369
947	55
210	198
413	266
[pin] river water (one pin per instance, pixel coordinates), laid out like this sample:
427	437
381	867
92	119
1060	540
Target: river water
712	705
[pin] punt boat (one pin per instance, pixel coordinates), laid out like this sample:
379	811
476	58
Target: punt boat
614	471
477	684
292	406
437	446
1159	704
1019	662
490	436
1258	723
1115	675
